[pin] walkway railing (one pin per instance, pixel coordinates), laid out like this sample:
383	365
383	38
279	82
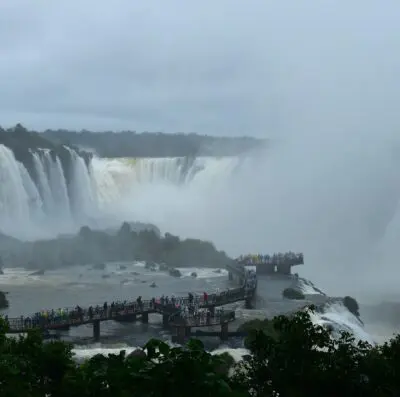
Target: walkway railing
75	317
202	319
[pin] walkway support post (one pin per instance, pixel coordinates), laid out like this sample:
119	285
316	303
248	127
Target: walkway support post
224	331
96	330
247	303
145	317
212	311
188	331
180	335
165	319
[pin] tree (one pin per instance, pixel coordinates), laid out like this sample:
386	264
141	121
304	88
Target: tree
298	360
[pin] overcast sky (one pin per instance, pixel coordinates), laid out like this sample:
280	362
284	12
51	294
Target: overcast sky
219	67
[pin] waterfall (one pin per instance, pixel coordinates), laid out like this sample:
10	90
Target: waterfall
18	195
43	184
58	184
83	196
48	204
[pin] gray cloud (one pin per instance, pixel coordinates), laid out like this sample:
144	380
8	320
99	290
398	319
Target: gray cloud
229	67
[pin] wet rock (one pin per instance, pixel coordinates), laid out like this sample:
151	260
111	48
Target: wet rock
135	273
163	267
122	267
150	266
218	271
1	272
175	273
153	285
38	273
351	305
99	266
291	293
144	281
194	274
105	276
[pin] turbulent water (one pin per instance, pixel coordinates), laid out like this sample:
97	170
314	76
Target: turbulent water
65	287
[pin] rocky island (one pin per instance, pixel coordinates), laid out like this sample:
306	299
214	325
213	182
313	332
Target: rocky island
98	247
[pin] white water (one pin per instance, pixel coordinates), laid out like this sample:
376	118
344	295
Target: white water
335	315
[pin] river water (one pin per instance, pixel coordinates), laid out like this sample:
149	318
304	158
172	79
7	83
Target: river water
86	286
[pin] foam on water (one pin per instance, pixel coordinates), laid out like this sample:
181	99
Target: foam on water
202	272
342	320
308	288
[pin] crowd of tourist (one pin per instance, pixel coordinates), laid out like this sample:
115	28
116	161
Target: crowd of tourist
275	259
199	308
192	305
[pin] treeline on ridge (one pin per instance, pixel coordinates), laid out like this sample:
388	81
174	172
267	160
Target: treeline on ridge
93	246
153	144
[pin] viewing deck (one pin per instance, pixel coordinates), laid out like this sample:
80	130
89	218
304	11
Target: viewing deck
280	263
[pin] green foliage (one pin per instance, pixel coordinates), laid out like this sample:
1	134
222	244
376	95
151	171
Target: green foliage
91	246
299	360
156	144
291	293
266	326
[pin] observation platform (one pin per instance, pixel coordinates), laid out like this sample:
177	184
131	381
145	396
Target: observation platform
278	263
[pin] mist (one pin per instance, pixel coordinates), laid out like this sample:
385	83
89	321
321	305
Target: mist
329	185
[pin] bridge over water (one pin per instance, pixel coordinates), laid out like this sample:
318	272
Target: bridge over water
131	311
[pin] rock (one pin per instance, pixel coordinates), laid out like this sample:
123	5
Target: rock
351	305
163	267
291	293
137	353
175	273
135	274
122	267
1	272
150	266
105	276
217	271
144	281
153	285
194	274
99	266
38	273
3	300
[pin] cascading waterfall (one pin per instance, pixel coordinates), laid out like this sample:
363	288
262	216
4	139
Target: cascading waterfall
42	206
58	184
15	200
83	196
43	184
